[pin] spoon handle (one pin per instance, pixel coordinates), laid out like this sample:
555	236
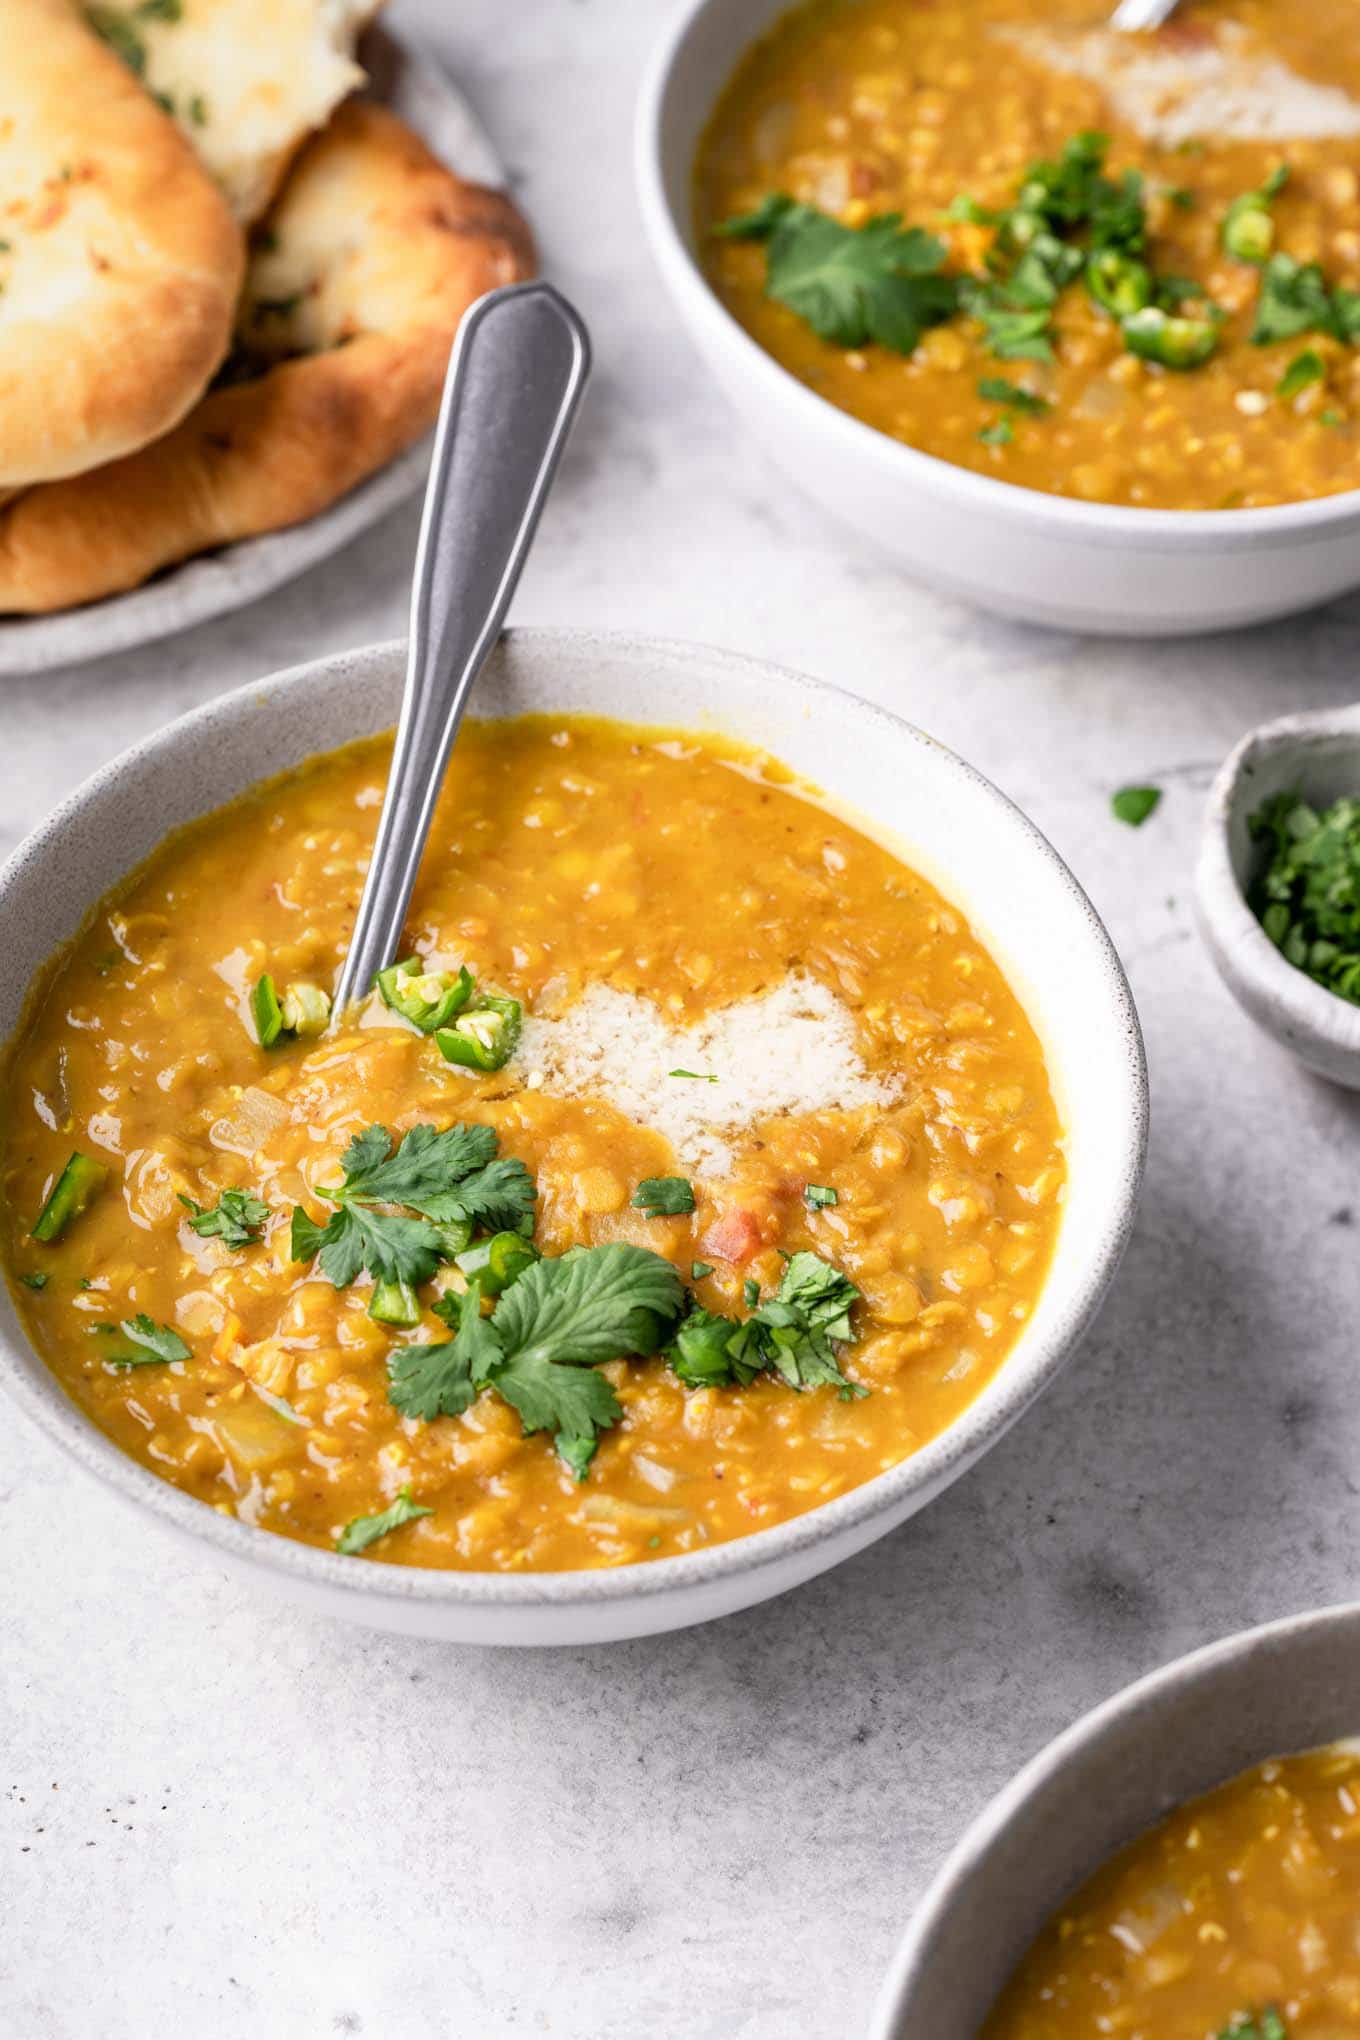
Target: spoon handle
516	376
1142	14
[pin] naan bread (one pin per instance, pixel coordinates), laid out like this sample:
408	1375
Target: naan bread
248	80
367	263
119	262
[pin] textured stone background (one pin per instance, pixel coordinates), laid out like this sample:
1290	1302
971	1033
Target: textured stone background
220	1818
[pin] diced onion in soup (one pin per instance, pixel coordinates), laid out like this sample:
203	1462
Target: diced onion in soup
1139	1926
255	1435
618	1514
252	1119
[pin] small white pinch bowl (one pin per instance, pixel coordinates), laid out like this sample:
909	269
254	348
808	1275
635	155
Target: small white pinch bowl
1275	1691
902	787
1319	753
1045	559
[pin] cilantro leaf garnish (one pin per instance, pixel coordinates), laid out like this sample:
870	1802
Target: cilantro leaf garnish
1133	804
452	1179
695	1076
1266	2025
790	1334
996	390
1304	370
1000	434
697	1270
365	1530
664	1196
1296	298
143	1342
559	1320
819	1196
34	1280
236	1219
881	281
591	1304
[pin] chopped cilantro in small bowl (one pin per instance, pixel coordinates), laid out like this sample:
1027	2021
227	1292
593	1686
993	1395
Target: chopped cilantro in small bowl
1279	885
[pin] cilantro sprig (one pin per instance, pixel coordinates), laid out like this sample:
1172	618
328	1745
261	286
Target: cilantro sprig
790	1334
453	1181
664	1196
140	1342
236	1219
881	281
539	1348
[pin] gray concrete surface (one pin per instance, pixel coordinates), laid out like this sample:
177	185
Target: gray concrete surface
223	1819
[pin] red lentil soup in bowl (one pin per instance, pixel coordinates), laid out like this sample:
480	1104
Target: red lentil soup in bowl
1064	320
1124	268
697	1168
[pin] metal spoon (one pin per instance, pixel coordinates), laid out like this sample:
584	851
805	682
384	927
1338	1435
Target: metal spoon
1134	14
516	376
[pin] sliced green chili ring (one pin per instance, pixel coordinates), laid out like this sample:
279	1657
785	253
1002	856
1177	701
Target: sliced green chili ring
394	1303
1249	230
454	1235
1119	283
428	999
266	1011
498	1262
485	1037
306	1009
1155	335
78	1182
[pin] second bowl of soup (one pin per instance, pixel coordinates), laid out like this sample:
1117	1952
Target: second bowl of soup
1064	318
709	1164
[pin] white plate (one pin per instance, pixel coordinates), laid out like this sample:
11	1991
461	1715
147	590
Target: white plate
406	79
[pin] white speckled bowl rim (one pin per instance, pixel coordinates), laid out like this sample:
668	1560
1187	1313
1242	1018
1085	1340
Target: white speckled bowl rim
182	754
1287	1686
1096	524
1303	1015
213	584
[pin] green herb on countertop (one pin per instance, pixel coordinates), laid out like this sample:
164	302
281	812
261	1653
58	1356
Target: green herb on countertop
1307	894
1133	804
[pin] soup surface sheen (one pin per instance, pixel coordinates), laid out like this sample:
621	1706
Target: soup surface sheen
1240	1913
865	107
565	855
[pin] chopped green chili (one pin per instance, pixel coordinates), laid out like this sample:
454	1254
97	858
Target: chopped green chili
497	1262
1249	226
428	999
394	1303
78	1182
485	1036
1155	335
303	1011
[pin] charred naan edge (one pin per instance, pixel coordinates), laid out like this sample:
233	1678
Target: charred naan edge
248	80
369	261
120	264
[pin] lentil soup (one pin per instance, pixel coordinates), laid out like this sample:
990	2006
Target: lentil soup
1182	337
243	1262
1237	1916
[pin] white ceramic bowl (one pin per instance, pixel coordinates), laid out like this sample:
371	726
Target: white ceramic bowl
1267	1692
1318	753
944	817
1047	559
